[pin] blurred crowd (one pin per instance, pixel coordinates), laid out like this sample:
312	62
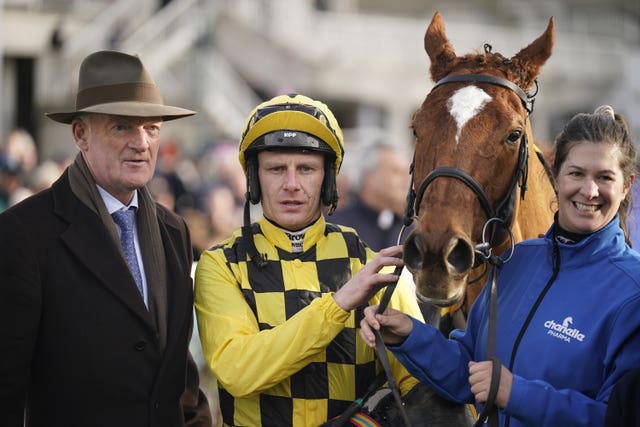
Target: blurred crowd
21	172
207	189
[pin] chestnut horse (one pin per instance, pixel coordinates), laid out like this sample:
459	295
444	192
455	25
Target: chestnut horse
474	158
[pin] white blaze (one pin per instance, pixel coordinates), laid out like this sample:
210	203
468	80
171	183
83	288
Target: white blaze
465	104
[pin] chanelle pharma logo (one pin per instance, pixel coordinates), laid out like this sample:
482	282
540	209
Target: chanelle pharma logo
563	330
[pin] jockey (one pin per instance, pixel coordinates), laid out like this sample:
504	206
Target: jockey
275	300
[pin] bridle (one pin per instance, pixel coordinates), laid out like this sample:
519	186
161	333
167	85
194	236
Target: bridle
500	215
503	209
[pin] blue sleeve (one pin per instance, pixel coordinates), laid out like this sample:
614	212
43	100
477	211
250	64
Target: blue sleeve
444	363
538	403
435	360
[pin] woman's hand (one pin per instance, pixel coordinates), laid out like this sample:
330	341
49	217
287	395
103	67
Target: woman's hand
480	381
394	326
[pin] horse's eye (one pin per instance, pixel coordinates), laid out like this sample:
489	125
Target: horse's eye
514	137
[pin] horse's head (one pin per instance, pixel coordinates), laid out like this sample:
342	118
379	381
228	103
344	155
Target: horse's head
470	157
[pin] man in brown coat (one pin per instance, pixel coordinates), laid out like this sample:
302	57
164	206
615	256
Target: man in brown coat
96	310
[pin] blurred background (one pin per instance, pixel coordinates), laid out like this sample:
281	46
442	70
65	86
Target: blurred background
364	58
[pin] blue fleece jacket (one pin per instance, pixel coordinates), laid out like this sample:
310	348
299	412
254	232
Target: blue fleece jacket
583	336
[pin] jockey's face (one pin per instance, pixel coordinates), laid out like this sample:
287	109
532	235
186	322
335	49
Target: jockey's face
290	184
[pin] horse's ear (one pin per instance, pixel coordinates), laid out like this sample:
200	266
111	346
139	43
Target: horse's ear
527	63
439	49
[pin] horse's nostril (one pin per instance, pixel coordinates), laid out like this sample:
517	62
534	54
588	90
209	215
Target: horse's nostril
412	253
461	256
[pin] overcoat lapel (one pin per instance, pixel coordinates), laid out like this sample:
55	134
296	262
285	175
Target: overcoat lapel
88	240
176	294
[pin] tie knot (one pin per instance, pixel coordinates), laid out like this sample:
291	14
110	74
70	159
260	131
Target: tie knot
124	218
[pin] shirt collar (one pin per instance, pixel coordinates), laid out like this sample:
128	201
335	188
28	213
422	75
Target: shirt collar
114	204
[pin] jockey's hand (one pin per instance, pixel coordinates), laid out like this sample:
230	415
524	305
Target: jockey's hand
394	326
364	285
480	381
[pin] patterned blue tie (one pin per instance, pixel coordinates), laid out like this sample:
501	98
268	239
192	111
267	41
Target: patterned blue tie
124	219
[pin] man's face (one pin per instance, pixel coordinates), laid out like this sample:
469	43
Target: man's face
120	151
391	180
290	184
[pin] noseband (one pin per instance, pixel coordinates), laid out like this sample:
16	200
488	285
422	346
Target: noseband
501	214
503	210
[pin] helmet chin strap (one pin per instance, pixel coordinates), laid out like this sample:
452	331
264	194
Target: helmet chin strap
247	237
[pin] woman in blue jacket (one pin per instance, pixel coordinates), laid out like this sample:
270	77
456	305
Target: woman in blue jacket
568	325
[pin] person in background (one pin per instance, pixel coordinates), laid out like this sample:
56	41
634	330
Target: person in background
623	409
11	183
377	210
221	212
96	298
172	167
222	196
220	167
19	149
18	159
275	301
568	303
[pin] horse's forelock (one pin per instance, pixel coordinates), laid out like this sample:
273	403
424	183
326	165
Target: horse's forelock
483	63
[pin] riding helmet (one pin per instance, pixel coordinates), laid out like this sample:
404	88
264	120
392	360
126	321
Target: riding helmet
292	122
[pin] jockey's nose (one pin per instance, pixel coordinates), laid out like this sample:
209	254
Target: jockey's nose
291	181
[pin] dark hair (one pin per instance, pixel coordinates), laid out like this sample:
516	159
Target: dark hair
603	126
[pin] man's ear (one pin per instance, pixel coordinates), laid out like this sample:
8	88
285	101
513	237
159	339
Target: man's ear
80	131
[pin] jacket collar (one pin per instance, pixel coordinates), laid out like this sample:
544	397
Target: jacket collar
279	238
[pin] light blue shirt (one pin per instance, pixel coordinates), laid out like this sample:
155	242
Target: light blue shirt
114	205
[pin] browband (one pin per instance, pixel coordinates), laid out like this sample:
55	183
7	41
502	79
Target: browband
527	101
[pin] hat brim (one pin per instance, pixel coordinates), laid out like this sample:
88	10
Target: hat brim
128	108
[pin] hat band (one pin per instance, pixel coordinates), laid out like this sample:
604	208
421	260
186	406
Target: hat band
137	92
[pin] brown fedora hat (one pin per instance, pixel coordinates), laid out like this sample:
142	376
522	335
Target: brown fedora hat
113	82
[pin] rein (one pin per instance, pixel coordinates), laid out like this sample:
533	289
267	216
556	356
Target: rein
489	411
383	358
501	214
